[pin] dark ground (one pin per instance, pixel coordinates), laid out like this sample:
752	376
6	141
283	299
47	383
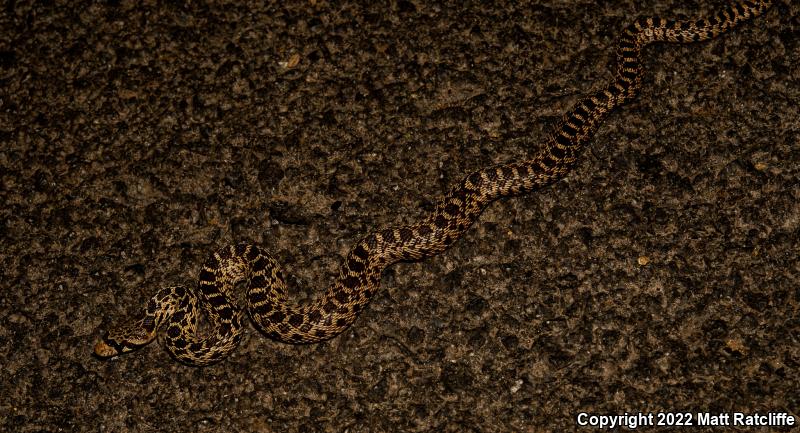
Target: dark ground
661	275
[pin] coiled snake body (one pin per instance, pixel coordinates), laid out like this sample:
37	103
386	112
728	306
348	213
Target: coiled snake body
178	308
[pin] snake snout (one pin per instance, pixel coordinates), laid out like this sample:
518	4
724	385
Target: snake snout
104	350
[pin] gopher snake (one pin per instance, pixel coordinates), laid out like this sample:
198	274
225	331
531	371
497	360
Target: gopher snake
359	278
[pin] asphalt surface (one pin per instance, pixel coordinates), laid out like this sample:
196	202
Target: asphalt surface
662	275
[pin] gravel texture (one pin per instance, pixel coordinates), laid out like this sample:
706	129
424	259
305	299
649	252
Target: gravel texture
661	275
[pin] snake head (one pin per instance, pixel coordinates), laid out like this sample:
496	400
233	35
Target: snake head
108	347
122	341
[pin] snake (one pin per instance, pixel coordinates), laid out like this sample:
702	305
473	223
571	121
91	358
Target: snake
179	309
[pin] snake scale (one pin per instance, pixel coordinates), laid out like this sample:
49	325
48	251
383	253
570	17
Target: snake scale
359	278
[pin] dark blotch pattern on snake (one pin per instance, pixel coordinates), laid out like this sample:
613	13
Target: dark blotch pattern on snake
178	308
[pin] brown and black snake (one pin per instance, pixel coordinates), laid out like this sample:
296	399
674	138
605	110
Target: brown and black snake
179	308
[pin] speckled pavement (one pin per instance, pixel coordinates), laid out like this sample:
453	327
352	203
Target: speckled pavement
662	275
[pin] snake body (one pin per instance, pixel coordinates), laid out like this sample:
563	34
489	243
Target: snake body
359	278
